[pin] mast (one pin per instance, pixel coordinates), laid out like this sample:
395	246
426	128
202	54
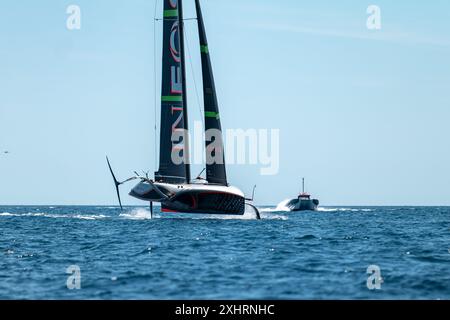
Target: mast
215	156
184	93
303	185
174	145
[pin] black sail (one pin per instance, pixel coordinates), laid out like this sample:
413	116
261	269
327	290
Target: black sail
174	145
215	170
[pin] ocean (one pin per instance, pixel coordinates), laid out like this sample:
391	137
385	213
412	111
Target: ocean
102	253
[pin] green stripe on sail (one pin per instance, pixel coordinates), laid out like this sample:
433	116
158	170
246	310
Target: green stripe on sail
204	49
211	114
170	13
172	99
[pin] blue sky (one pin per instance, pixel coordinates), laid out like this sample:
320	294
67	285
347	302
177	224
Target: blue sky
363	114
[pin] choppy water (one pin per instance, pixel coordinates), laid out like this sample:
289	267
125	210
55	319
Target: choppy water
321	255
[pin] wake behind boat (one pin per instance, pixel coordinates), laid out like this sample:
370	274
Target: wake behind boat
172	185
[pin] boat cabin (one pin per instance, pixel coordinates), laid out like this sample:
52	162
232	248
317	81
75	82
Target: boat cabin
304	196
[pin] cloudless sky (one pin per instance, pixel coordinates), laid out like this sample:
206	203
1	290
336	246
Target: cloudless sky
364	115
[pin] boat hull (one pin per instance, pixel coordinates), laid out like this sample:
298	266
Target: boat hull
303	205
193	198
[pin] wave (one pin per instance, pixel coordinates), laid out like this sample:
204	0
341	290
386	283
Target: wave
274	217
143	214
89	217
234	217
137	214
326	209
249	216
54	215
206	216
306	237
281	207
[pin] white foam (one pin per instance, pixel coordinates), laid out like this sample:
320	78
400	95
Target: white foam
89	217
274	217
281	207
343	210
137	214
54	216
6	214
327	209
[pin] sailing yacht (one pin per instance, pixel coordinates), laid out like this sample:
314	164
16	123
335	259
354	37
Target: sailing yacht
172	185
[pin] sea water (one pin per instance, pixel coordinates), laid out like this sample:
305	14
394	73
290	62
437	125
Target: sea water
105	253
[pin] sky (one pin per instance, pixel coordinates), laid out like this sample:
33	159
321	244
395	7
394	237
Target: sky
363	114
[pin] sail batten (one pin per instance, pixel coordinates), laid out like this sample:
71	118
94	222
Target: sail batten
215	170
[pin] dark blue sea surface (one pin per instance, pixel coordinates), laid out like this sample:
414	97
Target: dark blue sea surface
308	255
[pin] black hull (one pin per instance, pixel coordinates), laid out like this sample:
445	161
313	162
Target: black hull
205	203
303	205
201	201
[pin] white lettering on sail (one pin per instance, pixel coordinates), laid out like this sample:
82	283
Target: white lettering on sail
173	48
176	85
180	117
173	3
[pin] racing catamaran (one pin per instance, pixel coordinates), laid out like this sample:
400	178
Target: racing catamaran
172	185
